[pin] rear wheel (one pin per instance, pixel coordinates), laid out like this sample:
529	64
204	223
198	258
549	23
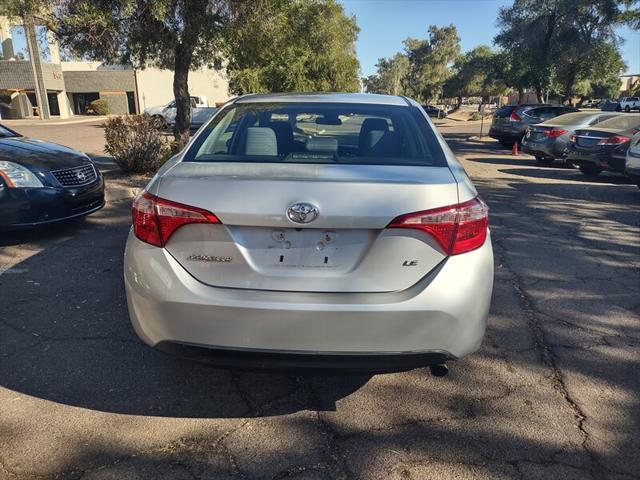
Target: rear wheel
544	160
506	143
590	170
627	109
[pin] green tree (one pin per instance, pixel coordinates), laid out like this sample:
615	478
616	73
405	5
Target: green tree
476	73
179	35
631	14
390	77
551	44
430	60
304	46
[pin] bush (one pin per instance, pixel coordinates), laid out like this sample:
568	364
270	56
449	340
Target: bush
99	107
135	144
475	116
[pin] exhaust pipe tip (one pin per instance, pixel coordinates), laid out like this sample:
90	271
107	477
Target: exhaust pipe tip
439	370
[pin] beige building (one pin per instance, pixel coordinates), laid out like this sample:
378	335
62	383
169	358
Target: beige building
629	85
68	88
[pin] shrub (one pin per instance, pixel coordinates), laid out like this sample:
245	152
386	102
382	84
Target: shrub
99	107
475	116
135	144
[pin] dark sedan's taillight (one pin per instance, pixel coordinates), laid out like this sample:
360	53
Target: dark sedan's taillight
615	140
555	132
457	228
514	117
156	219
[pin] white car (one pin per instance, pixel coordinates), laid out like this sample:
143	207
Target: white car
632	162
165	115
630	103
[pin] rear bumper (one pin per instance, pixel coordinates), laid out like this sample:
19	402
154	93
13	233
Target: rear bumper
613	159
268	359
507	134
548	149
442	316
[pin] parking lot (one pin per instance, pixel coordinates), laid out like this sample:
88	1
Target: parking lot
554	391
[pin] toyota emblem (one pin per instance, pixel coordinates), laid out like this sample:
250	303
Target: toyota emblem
302	213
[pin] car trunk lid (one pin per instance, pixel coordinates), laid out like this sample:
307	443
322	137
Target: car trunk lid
588	139
346	248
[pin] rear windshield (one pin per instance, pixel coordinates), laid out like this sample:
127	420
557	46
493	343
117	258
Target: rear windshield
545	113
571	118
622	122
318	133
503	112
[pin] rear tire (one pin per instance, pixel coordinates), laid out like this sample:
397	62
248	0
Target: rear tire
627	109
506	143
544	160
590	170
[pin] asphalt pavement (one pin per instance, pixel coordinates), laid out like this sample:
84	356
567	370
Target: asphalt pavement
553	393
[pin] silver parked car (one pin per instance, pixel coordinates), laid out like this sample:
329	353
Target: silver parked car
632	162
325	229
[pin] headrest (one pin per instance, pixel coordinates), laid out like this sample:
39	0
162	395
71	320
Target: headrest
261	141
381	144
322	144
374	124
371	124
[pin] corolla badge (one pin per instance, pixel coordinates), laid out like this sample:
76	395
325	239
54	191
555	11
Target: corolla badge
302	213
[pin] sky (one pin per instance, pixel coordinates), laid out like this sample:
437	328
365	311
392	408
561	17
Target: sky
384	24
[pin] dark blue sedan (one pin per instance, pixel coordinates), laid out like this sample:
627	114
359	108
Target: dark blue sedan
43	183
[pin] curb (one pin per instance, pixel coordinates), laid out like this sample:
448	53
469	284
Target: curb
36	123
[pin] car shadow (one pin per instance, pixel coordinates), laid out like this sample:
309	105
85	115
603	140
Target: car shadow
65	337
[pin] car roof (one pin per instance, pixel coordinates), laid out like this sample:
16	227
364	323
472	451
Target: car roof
362	98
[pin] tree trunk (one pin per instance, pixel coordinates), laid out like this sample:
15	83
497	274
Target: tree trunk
540	94
181	93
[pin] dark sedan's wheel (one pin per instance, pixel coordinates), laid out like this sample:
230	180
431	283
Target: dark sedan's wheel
627	109
590	170
544	160
506	143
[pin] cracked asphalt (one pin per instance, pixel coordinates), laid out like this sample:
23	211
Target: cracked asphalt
553	393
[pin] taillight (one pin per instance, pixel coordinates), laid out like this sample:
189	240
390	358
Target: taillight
555	132
155	219
573	138
615	140
514	117
457	228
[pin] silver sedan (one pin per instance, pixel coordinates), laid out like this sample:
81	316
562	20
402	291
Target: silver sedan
312	229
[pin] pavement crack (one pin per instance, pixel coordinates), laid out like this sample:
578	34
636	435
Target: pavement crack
545	349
